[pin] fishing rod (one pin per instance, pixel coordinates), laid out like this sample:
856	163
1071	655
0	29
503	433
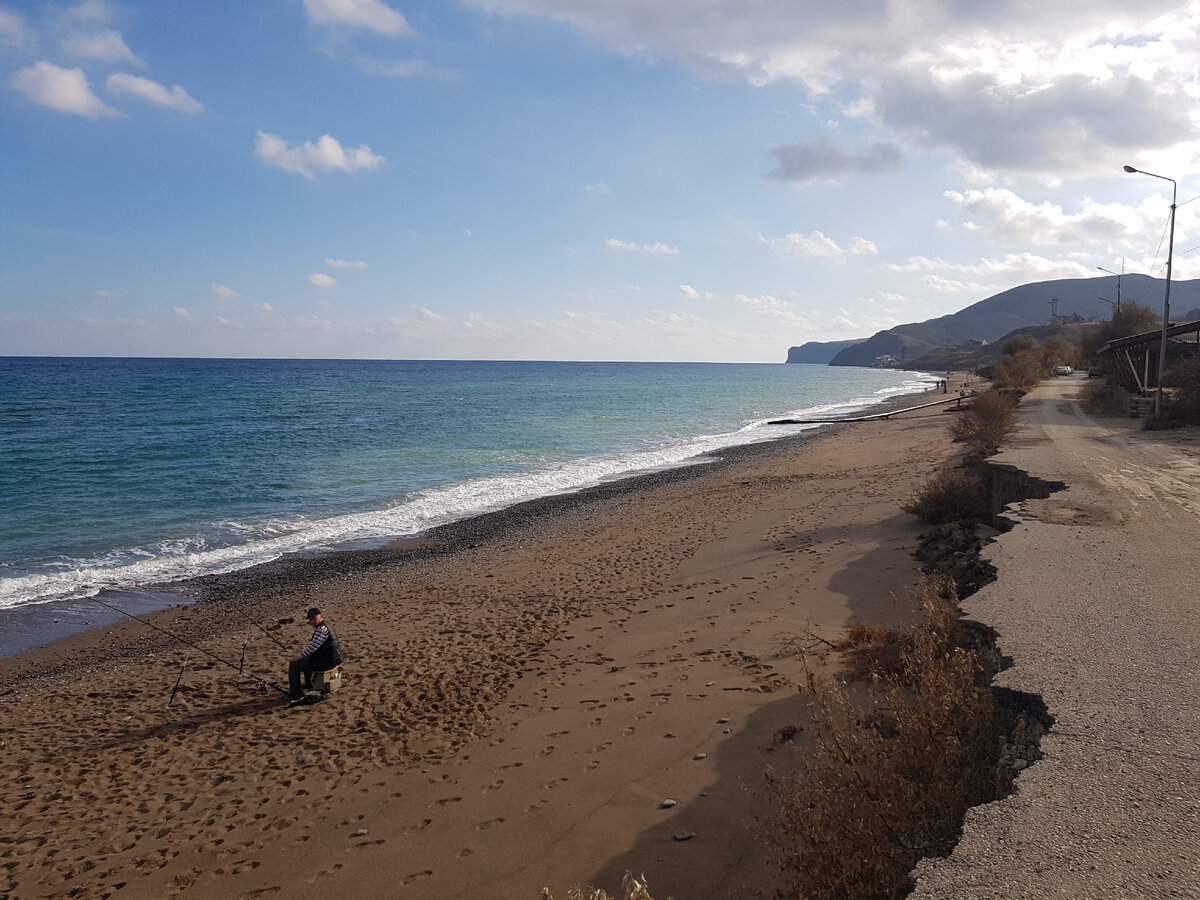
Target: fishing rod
181	640
251	620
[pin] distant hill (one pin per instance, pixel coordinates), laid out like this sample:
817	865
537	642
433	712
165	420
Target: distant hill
819	352
1020	307
968	357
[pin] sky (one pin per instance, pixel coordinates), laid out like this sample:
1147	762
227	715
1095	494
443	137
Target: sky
677	180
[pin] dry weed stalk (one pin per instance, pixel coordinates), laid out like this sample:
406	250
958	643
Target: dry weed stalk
632	889
888	783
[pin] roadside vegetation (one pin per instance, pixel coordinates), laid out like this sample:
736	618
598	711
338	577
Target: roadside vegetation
895	759
986	424
631	889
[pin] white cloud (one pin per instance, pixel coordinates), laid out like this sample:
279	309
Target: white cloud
176	98
65	90
345	264
106	46
1010	218
373	15
88	11
321	280
326	155
12	28
989	275
773	308
656	249
410	68
181	313
1055	90
222	292
818	245
692	294
427	315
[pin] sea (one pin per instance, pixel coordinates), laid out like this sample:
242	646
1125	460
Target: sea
119	475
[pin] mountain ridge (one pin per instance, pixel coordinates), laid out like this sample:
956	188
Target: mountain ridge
1024	306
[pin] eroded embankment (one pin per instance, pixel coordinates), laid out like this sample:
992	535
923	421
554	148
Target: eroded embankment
956	550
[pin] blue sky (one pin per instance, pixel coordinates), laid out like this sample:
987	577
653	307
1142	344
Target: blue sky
572	179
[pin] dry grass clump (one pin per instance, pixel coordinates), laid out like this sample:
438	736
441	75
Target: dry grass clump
889	778
1102	398
1181	403
632	889
991	418
951	495
870	651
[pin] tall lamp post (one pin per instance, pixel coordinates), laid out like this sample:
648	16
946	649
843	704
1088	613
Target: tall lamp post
1162	347
1118	274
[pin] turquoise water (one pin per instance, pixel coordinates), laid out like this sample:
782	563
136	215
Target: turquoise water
123	472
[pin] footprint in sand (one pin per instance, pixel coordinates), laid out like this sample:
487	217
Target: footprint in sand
546	751
327	873
494	786
484	826
551	785
446	800
424	823
409	879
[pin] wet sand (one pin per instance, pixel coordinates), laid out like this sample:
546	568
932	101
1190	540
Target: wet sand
522	691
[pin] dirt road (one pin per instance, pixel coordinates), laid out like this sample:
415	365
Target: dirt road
1098	604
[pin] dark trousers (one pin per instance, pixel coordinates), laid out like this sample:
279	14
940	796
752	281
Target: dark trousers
296	669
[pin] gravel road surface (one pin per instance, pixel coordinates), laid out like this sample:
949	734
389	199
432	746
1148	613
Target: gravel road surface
1098	604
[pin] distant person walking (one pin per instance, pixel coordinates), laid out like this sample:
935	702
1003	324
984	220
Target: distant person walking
322	652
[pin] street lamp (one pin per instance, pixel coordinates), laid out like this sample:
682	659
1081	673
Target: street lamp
1111	272
1162	347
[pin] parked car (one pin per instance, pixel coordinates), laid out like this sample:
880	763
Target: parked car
1062	370
1095	372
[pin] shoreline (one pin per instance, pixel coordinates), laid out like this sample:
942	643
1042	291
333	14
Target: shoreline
42	625
519	700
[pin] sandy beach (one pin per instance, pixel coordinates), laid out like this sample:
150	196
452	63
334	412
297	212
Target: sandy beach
522	693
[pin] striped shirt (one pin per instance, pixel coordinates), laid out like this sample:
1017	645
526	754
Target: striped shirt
320	635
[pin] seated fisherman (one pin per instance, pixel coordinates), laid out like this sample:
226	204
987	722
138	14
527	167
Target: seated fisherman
321	653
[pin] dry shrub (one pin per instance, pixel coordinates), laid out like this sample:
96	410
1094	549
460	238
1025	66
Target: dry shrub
951	495
890	778
1181	404
632	889
1102	398
1020	372
991	418
870	651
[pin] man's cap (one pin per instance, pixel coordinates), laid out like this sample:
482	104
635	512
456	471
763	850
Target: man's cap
313	613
